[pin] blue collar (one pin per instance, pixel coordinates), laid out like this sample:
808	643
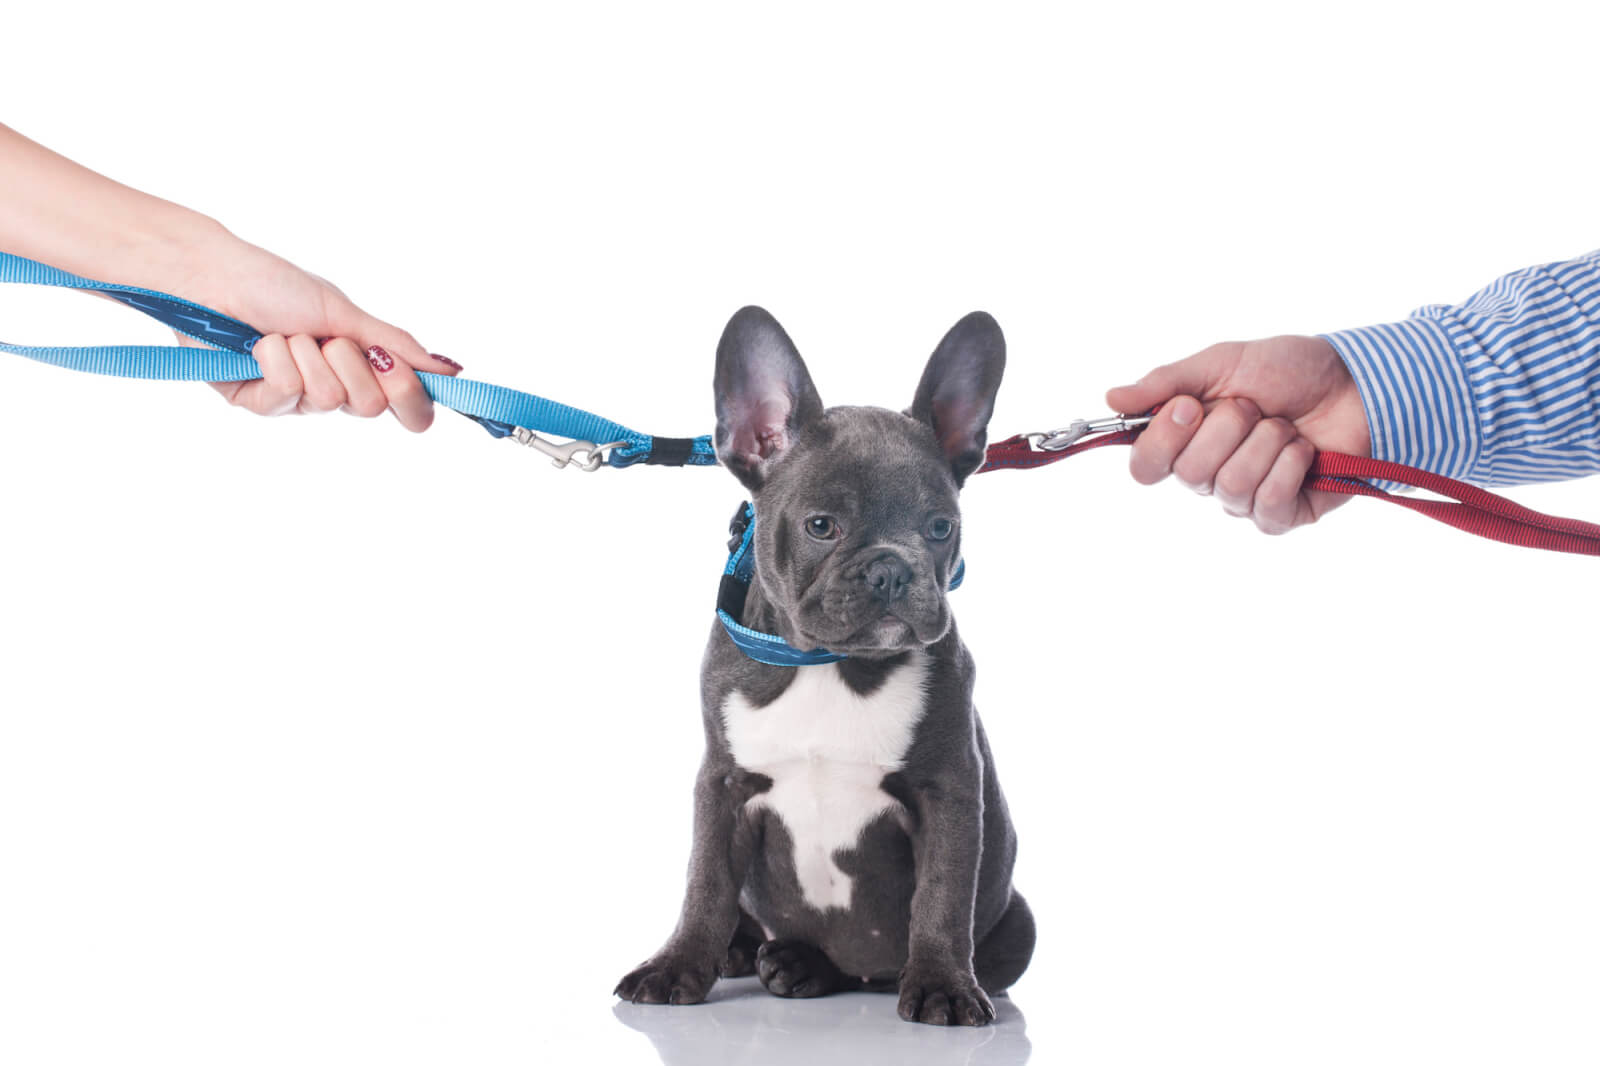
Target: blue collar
768	648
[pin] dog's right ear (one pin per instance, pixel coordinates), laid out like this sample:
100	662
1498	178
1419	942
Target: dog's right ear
764	394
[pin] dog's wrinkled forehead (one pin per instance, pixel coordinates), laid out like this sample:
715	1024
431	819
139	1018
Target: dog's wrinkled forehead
870	461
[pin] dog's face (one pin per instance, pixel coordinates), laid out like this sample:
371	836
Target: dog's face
857	525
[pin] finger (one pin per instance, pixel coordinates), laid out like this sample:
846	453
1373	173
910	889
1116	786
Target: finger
408	400
1198	375
323	389
1164	439
1225	426
363	395
279	388
1279	504
1244	471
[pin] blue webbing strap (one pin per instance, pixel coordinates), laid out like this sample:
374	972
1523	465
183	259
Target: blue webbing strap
496	408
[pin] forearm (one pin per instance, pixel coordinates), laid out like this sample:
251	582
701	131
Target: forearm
717	861
58	212
1502	389
946	850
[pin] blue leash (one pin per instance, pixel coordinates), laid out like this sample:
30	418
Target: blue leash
499	410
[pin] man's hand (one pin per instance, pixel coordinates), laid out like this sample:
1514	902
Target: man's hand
1242	422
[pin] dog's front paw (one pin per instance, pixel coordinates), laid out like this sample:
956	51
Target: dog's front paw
668	978
943	997
797	970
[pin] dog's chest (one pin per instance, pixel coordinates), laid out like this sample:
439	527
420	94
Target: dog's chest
827	749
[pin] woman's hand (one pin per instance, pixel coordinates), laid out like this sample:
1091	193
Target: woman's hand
320	352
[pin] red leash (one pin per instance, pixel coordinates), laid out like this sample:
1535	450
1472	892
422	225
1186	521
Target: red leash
1467	507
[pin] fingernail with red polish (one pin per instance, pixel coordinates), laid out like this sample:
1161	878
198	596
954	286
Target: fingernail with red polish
381	360
446	360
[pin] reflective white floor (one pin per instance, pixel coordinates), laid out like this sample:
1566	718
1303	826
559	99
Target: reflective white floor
741	1023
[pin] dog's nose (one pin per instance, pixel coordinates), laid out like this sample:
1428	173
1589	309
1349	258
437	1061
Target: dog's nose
887	576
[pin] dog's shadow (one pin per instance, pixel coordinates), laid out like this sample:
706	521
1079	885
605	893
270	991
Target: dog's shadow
741	1023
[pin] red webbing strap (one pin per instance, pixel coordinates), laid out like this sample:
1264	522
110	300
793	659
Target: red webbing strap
1468	507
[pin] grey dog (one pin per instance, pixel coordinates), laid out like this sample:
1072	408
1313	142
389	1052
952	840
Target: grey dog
849	829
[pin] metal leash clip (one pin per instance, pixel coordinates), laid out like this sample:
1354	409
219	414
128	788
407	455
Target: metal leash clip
1058	439
586	455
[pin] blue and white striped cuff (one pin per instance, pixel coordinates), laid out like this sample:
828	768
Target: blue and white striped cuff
1419	403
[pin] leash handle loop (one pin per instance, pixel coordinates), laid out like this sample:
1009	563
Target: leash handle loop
1467	507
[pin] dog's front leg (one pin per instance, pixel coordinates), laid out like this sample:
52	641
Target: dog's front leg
937	984
685	968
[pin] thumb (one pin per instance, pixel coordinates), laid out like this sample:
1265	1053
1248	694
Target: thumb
397	342
1198	376
367	330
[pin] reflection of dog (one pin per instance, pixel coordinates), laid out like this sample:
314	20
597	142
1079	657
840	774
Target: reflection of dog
849	829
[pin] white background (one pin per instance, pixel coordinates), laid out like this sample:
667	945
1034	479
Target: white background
322	742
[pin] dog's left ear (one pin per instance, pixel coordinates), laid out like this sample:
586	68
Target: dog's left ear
956	395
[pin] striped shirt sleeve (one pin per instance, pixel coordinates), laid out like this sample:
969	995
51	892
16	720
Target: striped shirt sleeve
1503	389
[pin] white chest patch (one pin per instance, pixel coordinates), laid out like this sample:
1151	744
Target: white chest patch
827	749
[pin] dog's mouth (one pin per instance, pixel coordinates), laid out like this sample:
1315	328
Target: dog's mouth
887	634
847	622
889	631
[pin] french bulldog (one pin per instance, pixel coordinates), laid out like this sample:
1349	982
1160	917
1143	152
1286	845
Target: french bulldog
849	829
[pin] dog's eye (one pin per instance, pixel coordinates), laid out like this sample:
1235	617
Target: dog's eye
940	529
822	527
